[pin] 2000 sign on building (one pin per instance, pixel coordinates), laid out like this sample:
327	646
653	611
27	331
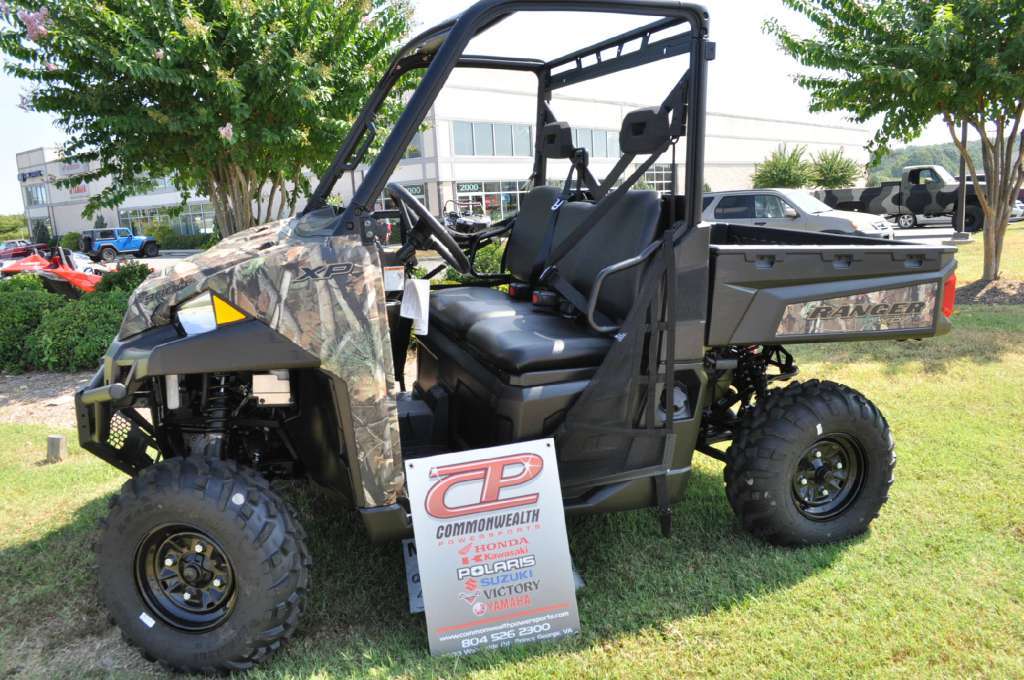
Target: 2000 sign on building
493	556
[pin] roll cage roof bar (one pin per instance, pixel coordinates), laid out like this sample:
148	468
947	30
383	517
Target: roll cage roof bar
440	50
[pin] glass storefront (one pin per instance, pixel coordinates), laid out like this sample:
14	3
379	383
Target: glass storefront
496	200
196	218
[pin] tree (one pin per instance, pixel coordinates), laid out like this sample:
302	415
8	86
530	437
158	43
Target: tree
12	227
784	169
910	61
100	222
233	99
831	169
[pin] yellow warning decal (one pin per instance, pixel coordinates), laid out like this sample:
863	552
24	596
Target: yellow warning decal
224	312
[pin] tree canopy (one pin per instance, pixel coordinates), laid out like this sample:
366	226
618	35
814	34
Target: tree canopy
909	61
234	99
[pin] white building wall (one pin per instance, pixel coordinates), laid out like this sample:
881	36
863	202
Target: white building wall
734	144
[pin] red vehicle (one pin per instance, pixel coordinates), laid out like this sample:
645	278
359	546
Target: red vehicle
57	271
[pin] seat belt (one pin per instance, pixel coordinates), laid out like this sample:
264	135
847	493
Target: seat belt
582	174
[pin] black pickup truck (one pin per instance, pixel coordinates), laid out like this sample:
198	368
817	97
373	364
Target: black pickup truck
922	190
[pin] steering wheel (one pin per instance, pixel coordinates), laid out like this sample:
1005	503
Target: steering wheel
427	232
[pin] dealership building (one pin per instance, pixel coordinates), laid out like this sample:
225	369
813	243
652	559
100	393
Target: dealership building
465	156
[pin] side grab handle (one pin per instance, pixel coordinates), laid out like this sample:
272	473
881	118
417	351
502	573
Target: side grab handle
595	292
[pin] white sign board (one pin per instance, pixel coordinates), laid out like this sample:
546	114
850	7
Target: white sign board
492	552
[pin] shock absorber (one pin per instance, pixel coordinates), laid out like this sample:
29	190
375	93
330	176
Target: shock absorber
215	409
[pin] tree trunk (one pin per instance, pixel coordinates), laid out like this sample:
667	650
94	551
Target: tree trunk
231	190
1003	158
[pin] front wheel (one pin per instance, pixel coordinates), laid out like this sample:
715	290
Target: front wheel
906	221
202	566
812	463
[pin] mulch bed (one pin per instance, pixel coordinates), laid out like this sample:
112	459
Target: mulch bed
1001	292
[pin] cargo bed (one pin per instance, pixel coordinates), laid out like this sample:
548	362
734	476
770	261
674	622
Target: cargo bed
773	286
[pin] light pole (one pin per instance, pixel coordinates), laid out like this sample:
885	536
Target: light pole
960	215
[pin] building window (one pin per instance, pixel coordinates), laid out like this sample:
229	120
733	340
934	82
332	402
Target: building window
600	144
483	139
195	218
463	134
522	139
659	178
502	139
496	200
492	139
35	195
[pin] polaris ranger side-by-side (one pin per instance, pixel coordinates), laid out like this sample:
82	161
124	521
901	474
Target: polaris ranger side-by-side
624	326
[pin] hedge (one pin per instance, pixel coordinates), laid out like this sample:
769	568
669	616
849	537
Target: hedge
127	277
22	311
74	337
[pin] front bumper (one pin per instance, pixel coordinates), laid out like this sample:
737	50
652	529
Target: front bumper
110	427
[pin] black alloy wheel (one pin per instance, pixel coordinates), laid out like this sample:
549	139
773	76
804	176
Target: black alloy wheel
185	577
828	477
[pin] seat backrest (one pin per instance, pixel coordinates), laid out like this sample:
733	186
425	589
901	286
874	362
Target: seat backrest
628	228
624	232
527	238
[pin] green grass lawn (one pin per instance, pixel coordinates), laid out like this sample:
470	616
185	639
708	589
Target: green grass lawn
935	589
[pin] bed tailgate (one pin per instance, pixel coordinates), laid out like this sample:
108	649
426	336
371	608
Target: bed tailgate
843	289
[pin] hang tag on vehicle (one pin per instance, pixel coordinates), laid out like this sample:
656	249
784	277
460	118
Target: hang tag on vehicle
394	279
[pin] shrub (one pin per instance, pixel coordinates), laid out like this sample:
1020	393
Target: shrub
22	312
488	261
21	282
74	336
70	240
125	278
784	169
169	239
833	170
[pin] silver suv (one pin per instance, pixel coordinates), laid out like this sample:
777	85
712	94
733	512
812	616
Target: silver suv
789	209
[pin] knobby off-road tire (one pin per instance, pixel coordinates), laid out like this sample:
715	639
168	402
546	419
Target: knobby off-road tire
250	541
150	250
803	440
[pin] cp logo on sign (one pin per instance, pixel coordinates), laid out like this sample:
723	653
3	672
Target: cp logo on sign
492	474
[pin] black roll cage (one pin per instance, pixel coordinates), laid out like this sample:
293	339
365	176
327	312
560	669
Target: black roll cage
440	50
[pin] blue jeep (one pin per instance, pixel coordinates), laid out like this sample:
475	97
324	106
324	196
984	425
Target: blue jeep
108	244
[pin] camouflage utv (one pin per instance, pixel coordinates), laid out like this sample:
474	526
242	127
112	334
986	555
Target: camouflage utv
622	326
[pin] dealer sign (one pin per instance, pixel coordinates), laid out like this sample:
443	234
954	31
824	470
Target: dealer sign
492	551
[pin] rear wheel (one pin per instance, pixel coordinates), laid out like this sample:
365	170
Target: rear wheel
108	254
202	566
906	221
812	463
151	249
974	218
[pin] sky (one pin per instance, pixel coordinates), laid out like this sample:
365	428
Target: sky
750	75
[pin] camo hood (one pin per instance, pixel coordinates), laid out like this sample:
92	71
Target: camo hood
323	292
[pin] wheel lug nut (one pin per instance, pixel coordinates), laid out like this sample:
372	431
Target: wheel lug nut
824	492
839	466
217	583
199	547
169	562
186	596
803	482
817	454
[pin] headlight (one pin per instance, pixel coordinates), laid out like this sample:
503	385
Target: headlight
205	312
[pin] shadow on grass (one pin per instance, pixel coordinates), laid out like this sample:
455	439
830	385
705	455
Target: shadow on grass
357	621
48	595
